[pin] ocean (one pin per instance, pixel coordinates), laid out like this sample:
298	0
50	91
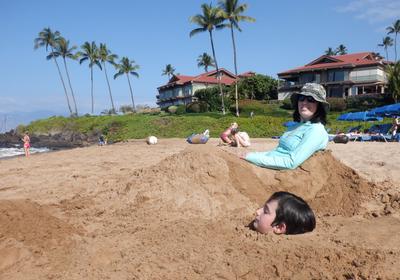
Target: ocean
10	152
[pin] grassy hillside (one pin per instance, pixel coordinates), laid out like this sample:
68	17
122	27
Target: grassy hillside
267	122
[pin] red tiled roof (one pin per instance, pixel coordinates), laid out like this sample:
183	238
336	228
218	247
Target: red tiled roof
339	61
247	74
228	78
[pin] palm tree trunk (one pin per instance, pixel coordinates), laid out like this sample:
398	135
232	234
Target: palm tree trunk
130	88
62	81
395	47
70	86
91	88
218	77
235	64
387	56
109	88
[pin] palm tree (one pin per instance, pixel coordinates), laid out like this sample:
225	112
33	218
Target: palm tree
105	55
169	70
330	51
205	61
127	67
341	50
48	38
395	28
62	49
386	42
207	21
393	76
232	11
90	52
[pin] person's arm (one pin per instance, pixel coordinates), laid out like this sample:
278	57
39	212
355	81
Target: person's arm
313	140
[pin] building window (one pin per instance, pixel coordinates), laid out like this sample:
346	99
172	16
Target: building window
335	76
307	78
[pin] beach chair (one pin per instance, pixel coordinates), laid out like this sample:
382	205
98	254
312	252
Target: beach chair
377	132
384	134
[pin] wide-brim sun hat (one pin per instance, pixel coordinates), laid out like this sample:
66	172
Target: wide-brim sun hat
314	90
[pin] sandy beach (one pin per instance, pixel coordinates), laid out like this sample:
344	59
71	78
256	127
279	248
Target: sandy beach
180	211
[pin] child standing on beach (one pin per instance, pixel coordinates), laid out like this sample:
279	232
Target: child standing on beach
225	136
27	143
284	213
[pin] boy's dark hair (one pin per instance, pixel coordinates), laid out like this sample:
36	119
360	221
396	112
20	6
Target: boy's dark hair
294	212
319	116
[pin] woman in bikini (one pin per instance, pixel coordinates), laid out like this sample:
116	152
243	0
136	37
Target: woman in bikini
27	144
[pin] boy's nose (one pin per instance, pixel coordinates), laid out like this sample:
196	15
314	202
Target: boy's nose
259	211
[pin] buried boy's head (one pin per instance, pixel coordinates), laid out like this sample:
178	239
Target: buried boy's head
284	213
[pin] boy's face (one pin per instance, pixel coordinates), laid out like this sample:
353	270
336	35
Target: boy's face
265	216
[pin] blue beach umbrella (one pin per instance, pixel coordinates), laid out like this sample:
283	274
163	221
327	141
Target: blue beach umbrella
388	110
358	116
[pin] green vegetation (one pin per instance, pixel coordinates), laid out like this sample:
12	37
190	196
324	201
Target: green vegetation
267	121
232	11
209	20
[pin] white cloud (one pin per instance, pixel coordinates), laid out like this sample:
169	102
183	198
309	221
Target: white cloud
373	11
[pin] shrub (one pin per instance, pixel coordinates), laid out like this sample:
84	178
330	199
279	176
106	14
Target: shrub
197	107
181	110
368	101
126	109
337	104
258	87
212	97
287	104
172	109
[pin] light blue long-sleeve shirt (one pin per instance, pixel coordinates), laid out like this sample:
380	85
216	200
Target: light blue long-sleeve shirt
295	146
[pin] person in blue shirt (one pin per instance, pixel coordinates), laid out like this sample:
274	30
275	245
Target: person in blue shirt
301	140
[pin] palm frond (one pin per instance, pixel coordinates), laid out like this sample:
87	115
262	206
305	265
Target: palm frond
118	74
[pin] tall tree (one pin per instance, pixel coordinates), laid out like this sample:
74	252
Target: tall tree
341	50
48	38
393	76
169	71
90	52
209	20
330	51
62	49
205	60
386	42
127	67
395	28
232	11
105	55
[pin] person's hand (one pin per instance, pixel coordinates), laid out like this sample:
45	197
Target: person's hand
243	155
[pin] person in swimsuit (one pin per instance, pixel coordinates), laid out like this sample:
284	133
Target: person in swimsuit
226	135
27	144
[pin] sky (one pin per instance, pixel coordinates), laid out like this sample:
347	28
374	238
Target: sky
286	34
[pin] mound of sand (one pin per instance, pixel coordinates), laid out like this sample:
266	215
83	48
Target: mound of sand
186	216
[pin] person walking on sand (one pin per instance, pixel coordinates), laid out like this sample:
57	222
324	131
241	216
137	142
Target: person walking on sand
27	144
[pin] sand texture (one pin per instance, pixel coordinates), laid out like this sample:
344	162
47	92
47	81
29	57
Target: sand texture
180	211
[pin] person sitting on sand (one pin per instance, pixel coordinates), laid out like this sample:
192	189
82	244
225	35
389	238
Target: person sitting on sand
284	213
239	138
225	136
102	140
27	144
301	140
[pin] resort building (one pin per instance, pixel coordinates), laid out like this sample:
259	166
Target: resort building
180	89
341	75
